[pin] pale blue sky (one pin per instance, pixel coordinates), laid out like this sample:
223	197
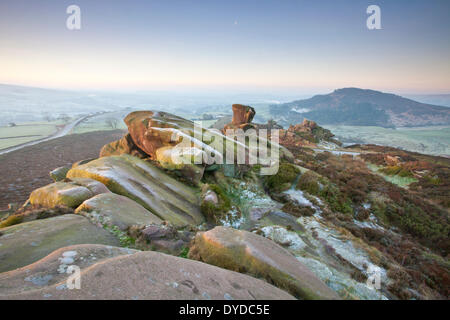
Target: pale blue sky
298	45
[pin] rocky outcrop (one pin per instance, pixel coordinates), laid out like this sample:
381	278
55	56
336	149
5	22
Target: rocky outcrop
255	255
146	184
123	274
59	174
151	130
242	118
174	145
69	192
308	125
28	242
181	161
307	133
392	160
169	140
125	145
116	210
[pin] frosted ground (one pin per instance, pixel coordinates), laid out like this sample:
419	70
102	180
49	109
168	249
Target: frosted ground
429	140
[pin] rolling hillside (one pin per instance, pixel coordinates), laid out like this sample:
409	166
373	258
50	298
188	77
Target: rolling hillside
353	106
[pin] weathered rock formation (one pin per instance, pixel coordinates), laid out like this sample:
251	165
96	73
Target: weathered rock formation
51	269
116	210
166	139
151	130
252	254
69	192
242	118
125	145
146	184
330	214
126	274
307	133
28	242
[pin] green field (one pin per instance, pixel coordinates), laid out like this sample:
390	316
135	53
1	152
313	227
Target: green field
104	122
403	182
26	132
428	140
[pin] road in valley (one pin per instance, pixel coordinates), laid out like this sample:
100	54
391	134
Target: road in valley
60	133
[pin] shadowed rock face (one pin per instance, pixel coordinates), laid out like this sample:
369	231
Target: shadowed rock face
242	114
255	255
161	237
28	242
242	117
127	274
124	145
149	186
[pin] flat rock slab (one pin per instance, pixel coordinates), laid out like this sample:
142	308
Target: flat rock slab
144	183
116	210
153	275
70	193
249	253
53	268
28	242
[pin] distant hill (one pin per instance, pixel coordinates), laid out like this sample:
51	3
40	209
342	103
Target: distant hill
437	99
353	106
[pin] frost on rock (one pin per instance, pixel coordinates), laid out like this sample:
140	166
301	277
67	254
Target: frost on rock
233	219
69	254
341	245
284	237
248	196
341	282
319	245
371	223
253	195
327	145
299	196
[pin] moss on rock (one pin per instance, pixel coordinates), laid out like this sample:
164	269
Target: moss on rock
69	193
283	179
146	184
246	252
215	212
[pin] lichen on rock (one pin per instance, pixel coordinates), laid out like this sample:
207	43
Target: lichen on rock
146	184
69	192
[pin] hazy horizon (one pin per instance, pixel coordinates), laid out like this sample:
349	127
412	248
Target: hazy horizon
201	91
302	47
